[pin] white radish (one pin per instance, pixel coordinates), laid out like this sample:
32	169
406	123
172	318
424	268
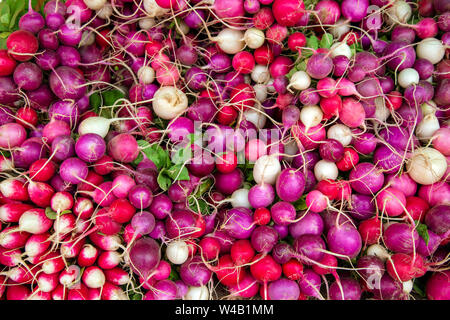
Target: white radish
340	49
105	12
94	4
197	293
153	9
146	75
146	23
341	133
266	169
426	166
407	77
427	127
399	12
231	41
177	252
431	49
325	169
378	251
300	80
261	92
260	74
428	107
256	117
311	116
169	102
239	198
254	38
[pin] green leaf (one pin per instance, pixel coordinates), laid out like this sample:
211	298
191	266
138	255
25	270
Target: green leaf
419	290
65	212
95	101
199	205
326	41
163	180
18	9
49	213
422	230
136	296
182	155
111	96
312	42
300	204
178	172
155	153
138	160
174	275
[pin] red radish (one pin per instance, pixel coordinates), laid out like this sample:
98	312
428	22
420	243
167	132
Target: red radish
296	41
7	64
316	201
288	12
60	293
227	162
112	292
64	224
42	170
209	248
162	271
10	258
93	277
227	114
17	292
391	201
109	259
39	295
263	55
394	100
35	221
87	256
12	238
329	188
71	249
22	45
331	106
405	267
27	117
262	216
37	244
117	276
326	265
104	165
121	210
105	224
80	292
242	252
349	160
94	294
416	208
14	189
83	208
61	201
40	193
21	274
53	263
105	242
293	269
227	272
92	179
370	230
47	282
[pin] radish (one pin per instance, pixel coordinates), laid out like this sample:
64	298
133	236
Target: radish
426	166
231	41
87	255
169	102
197	293
430	49
109	259
117	276
93	277
34	221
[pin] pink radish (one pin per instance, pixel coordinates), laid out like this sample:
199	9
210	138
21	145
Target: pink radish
47	282
53	263
37	244
11	212
17	292
72	248
14	189
112	292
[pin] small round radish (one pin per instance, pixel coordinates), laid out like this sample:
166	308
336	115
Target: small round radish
177	252
93	277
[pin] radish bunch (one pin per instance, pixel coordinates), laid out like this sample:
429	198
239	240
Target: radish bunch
285	149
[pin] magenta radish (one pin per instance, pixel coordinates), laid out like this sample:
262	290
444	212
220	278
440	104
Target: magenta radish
47	282
72	248
11	212
37	244
53	263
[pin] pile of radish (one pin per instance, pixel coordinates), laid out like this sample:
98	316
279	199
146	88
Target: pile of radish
226	149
